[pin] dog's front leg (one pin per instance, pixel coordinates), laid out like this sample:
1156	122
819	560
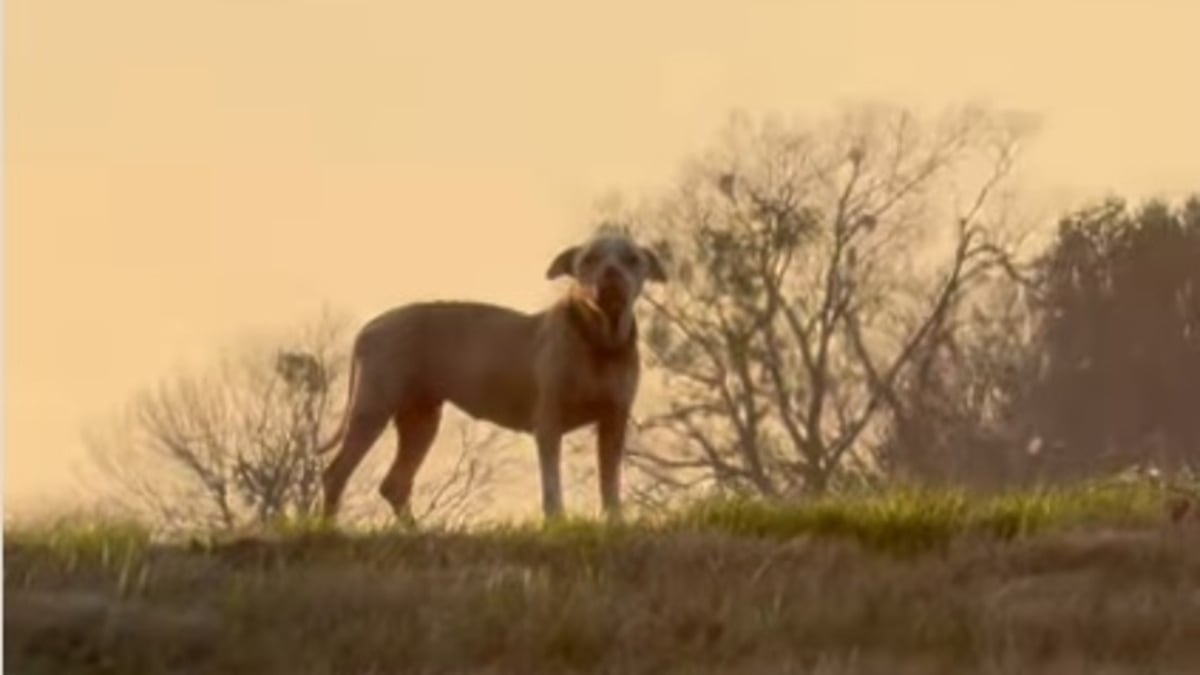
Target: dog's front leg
610	448
549	444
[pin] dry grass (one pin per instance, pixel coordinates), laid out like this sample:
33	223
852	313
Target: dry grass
1081	582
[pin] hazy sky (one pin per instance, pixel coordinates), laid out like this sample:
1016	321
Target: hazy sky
179	173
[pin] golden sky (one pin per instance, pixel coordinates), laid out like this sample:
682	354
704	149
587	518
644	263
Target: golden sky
179	173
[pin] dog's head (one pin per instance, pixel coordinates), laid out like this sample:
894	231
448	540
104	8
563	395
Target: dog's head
610	270
611	267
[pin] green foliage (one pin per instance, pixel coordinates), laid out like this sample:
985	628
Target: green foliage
1090	365
1120	335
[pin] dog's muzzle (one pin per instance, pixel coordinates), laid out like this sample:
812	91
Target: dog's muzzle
612	296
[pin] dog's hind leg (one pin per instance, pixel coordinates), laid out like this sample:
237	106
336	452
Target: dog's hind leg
363	428
417	427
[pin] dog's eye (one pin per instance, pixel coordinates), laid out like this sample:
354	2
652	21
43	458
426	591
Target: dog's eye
629	259
589	259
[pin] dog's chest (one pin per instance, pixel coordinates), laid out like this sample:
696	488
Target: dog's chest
599	386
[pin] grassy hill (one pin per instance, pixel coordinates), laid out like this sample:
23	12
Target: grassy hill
1081	581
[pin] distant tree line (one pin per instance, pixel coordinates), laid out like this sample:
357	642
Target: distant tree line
1093	369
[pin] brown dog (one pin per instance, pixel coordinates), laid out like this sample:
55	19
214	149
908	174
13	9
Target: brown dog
549	373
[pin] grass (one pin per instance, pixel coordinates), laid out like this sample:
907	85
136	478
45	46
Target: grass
915	521
1083	580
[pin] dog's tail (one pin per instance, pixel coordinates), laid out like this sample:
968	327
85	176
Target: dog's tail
350	396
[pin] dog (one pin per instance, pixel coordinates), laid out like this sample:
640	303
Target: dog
546	374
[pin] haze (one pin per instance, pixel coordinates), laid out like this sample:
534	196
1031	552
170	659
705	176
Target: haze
179	174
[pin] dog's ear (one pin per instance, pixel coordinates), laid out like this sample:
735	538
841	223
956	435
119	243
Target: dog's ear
564	263
656	270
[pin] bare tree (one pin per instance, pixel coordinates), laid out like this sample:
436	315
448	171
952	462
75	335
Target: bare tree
233	446
812	264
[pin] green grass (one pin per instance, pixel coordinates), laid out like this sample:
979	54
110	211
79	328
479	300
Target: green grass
1082	580
914	521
